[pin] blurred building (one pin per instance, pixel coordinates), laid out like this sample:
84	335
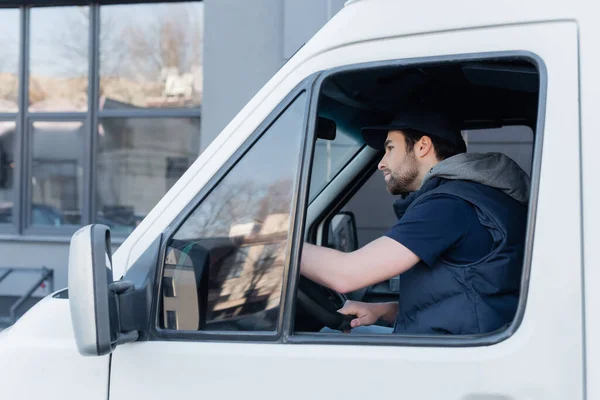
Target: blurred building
104	105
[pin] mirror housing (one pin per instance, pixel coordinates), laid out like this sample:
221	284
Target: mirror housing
92	293
342	233
326	128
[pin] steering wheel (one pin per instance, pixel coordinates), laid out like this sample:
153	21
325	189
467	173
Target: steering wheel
322	304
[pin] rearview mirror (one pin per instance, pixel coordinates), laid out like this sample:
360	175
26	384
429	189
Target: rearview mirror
326	128
92	293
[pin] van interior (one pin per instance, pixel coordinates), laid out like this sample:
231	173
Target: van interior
495	104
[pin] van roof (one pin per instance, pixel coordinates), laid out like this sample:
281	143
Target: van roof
361	20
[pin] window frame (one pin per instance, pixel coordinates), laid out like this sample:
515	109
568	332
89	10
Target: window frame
29	228
20	228
157	333
417	340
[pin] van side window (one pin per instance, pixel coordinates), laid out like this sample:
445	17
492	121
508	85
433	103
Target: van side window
464	107
224	266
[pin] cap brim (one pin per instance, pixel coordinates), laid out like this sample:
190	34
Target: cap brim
375	136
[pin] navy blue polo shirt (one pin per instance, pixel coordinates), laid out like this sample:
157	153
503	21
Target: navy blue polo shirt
443	226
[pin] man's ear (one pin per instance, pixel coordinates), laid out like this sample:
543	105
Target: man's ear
423	146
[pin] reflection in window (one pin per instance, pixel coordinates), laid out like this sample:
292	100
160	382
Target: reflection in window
56	185
137	163
59	59
151	55
9	61
7	168
226	261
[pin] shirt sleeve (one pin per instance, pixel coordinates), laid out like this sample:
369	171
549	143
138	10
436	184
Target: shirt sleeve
432	227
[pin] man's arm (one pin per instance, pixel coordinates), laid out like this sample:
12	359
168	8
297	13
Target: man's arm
376	262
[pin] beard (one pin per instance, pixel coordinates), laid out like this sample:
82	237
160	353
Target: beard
402	181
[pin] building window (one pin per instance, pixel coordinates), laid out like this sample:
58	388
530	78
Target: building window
56	173
7	169
138	160
9	60
151	55
96	128
9	106
59	59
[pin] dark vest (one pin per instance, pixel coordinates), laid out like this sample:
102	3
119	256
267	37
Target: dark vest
466	299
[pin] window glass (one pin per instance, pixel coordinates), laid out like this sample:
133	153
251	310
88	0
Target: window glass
224	266
56	175
138	161
59	58
7	168
9	54
151	55
330	157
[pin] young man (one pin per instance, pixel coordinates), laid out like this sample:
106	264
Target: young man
458	243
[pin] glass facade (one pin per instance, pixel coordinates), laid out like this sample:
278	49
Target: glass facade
59	59
56	173
135	154
151	55
99	111
7	169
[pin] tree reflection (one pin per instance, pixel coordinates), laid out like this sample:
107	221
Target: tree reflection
155	61
150	56
59	59
239	233
234	205
246	268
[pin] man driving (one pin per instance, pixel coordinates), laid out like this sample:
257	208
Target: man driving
457	245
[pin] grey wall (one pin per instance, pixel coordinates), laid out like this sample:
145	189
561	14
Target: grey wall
32	254
302	19
245	44
243	48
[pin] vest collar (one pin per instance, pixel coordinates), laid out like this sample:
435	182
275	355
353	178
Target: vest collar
402	204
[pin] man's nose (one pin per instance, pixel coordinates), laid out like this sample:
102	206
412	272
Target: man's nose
381	165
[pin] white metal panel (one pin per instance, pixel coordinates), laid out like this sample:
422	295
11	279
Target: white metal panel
590	144
39	358
542	360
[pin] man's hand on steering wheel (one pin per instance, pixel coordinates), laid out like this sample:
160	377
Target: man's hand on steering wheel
368	313
365	313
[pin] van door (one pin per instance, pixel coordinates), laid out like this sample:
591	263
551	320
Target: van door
210	339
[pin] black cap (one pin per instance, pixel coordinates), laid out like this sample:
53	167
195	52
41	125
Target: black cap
428	122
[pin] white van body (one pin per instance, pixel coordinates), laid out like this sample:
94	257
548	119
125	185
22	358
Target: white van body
553	354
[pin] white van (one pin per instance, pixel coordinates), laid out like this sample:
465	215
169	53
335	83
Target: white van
207	300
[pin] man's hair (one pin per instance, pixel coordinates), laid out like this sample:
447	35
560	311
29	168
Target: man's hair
443	148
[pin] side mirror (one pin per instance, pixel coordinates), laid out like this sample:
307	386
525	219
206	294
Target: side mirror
342	233
92	293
